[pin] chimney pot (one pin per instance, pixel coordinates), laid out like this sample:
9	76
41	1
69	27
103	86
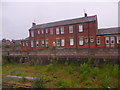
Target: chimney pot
85	14
33	24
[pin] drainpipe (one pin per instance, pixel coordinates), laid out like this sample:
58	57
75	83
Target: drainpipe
88	36
44	37
76	36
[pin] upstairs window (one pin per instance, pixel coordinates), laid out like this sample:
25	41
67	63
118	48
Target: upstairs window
107	40
118	39
46	30
62	30
98	40
70	29
81	41
58	42
80	28
38	31
62	42
42	31
71	41
112	39
32	33
86	39
32	44
51	31
37	43
57	30
43	43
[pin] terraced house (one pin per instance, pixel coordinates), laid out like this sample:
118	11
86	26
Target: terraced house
73	33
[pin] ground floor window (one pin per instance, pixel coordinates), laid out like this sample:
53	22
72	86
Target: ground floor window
71	41
112	39
91	39
58	42
86	40
26	43
98	40
32	44
37	43
43	43
107	40
62	42
81	41
118	39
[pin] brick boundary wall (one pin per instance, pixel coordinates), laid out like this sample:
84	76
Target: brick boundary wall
45	56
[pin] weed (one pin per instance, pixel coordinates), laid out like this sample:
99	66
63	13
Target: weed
62	83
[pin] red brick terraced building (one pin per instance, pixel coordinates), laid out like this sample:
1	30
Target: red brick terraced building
73	33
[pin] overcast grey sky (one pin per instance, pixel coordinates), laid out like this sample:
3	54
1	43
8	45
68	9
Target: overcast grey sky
17	17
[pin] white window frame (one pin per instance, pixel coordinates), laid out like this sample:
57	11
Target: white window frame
112	40
62	42
81	41
71	29
43	43
51	31
37	43
38	31
58	42
80	28
42	31
86	39
32	33
62	30
26	43
46	30
118	39
92	39
107	38
23	43
57	30
98	40
71	41
32	43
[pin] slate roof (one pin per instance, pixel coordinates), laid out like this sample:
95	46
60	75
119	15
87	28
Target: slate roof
26	39
66	22
109	31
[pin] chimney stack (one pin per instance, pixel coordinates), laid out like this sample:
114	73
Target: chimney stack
85	14
33	24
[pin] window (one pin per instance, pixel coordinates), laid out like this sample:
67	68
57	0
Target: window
42	31
32	44
51	31
62	42
43	43
86	40
46	30
38	31
80	28
23	44
112	39
26	43
81	41
71	41
37	43
107	40
62	30
91	39
32	33
70	29
118	39
57	30
58	42
98	40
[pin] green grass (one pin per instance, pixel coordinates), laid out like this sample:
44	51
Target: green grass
65	76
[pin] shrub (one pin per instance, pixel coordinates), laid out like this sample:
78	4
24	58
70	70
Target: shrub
39	83
62	83
106	81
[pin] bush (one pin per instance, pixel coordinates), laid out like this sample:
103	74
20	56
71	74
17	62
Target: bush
62	83
7	46
39	83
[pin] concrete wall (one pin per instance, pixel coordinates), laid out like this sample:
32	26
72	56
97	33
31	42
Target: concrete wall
45	56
